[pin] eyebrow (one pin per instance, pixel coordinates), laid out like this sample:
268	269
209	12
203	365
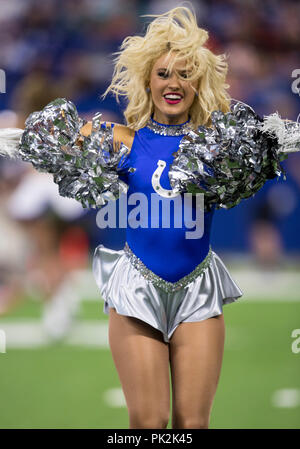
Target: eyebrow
178	70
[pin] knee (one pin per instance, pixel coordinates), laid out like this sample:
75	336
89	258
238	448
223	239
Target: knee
195	424
189	422
148	420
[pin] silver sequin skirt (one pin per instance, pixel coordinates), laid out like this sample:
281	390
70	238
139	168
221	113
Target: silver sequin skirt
127	285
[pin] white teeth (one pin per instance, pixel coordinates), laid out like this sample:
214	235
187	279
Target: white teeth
173	97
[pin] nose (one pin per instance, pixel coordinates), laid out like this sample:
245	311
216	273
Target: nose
174	81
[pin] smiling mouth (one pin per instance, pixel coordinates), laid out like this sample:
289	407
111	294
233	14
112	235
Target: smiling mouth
173	98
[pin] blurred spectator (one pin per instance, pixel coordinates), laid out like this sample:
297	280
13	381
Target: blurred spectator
65	49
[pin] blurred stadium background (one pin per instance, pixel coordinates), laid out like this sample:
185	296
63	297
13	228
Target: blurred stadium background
57	371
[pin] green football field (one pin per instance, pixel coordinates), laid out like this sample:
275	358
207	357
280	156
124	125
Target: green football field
74	384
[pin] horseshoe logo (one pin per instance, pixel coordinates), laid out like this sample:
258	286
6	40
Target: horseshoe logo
155	180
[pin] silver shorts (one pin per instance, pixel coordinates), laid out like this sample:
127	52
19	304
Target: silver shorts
126	284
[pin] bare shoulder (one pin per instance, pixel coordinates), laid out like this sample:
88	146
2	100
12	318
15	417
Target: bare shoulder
121	133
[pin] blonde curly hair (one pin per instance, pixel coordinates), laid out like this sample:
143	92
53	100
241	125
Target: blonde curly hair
174	32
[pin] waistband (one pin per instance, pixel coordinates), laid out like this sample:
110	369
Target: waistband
162	283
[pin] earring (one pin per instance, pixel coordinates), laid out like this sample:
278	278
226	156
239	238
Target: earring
195	91
147	89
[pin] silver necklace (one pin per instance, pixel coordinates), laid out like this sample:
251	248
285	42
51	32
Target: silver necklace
169	130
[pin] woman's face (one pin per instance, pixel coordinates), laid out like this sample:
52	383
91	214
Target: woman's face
172	96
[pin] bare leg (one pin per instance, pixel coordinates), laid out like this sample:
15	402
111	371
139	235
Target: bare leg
141	358
196	353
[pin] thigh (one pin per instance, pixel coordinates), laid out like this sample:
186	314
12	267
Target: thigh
196	353
142	361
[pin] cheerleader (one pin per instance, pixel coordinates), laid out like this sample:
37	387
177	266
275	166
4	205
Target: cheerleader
184	139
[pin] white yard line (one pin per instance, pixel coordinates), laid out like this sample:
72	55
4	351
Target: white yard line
262	285
31	334
286	398
114	397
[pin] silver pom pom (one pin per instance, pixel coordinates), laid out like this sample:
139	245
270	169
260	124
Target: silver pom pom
88	173
227	162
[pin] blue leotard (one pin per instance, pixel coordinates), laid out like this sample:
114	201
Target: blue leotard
165	251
